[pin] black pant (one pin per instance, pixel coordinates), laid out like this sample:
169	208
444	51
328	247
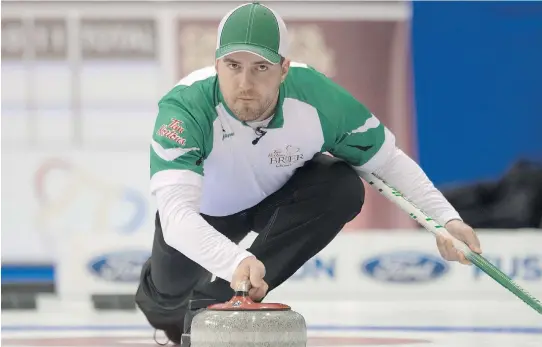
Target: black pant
294	224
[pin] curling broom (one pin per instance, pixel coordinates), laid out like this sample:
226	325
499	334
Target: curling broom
432	226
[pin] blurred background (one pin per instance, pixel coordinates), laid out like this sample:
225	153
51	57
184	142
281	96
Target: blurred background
459	83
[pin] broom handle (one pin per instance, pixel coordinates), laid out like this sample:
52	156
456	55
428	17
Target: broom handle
431	225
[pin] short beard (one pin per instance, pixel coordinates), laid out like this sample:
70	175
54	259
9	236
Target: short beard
248	114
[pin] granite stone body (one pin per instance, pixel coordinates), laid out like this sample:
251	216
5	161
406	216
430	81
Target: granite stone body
243	323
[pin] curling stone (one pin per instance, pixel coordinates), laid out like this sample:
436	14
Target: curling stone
242	322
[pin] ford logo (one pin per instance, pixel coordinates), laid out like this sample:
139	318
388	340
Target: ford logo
123	266
405	267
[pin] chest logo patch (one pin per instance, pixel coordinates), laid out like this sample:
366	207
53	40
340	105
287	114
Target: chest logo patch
285	157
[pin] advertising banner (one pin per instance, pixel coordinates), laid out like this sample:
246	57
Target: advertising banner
370	266
407	266
101	264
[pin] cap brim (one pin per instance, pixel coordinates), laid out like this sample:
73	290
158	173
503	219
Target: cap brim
262	52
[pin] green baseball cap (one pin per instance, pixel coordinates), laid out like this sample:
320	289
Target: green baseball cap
253	28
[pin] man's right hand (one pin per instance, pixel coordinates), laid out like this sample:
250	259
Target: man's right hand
253	271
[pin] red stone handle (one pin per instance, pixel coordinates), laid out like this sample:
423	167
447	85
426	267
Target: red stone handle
241	301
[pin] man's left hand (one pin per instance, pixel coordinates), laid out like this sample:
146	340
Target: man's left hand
462	232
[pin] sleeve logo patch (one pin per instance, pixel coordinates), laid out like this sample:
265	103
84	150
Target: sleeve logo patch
172	131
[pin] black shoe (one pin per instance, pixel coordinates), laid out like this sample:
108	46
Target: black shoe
173	334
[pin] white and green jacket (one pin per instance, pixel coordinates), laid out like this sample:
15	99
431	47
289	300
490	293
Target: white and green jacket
204	160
